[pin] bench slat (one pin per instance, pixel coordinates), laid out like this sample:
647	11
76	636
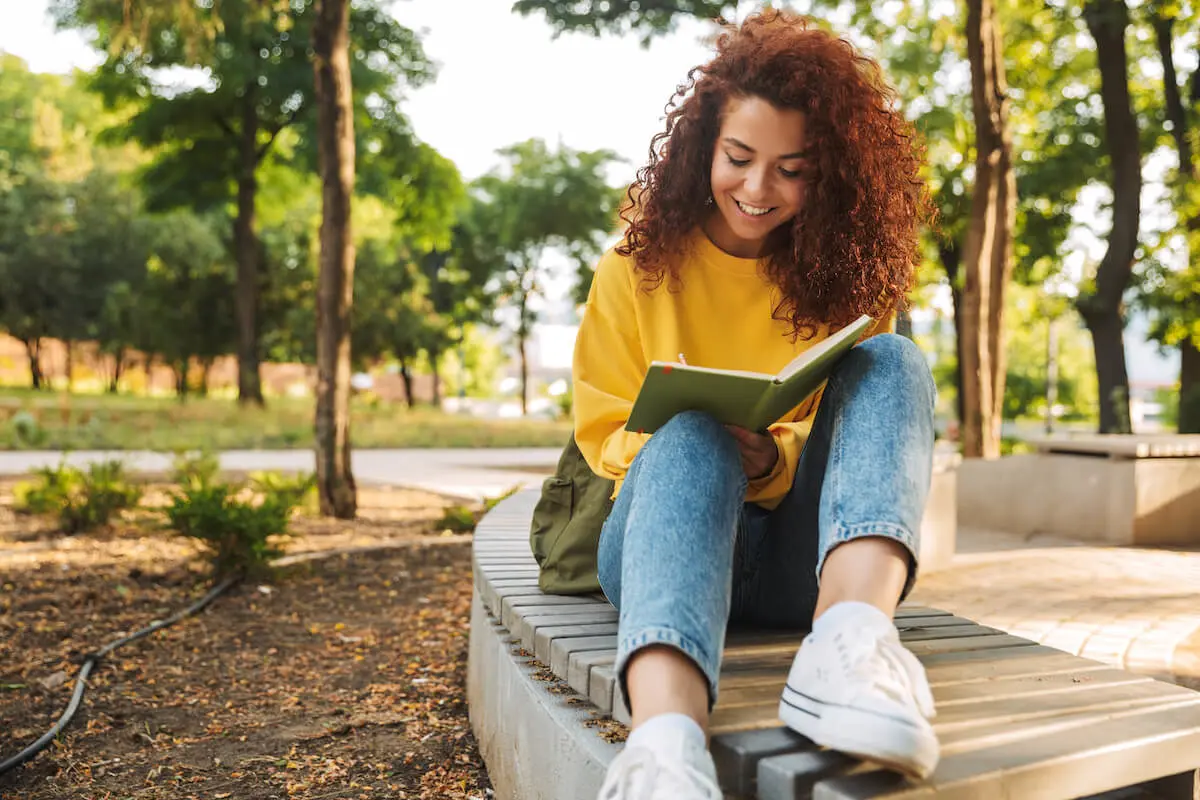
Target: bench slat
737	754
580	665
1107	754
561	650
544	637
527	626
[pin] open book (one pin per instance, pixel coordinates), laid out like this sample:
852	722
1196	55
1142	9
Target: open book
751	400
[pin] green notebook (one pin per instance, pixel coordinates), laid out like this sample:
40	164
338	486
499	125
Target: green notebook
752	400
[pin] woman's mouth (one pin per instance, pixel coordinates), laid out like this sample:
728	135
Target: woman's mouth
752	211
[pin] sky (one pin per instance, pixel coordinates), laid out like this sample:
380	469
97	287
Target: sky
504	78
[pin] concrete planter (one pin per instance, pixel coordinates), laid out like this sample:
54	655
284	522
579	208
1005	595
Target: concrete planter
1116	490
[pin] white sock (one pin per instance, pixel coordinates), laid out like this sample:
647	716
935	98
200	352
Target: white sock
657	726
849	612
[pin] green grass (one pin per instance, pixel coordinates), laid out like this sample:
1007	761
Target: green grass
123	422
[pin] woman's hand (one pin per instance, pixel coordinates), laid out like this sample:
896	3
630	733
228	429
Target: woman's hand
758	451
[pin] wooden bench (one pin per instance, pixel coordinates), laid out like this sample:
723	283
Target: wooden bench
1016	719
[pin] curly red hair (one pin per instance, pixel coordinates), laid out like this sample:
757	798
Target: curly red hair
854	247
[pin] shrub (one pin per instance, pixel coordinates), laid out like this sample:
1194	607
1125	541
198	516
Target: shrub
238	525
26	431
195	468
81	500
300	490
464	518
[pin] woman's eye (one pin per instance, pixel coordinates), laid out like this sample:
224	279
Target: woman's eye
789	173
737	162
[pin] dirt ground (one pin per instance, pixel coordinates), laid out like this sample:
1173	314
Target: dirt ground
344	677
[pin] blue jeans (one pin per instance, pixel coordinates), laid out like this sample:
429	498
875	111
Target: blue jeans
682	555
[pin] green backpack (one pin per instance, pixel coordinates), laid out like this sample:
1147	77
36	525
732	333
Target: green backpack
566	525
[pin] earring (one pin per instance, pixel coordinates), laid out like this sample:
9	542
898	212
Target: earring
709	201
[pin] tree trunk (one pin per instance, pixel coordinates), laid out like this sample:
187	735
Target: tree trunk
33	350
950	253
435	359
335	283
180	369
987	249
1002	261
406	379
1189	389
245	242
522	337
1103	307
70	346
1189	362
1051	371
206	365
118	368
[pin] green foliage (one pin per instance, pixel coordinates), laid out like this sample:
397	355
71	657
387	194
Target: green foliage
649	17
130	422
542	200
1168	397
299	490
461	518
240	526
26	432
1028	317
81	500
195	468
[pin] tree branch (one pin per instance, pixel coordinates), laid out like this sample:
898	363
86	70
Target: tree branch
262	151
224	125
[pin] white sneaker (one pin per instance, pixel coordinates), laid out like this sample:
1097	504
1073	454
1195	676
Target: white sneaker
856	689
673	767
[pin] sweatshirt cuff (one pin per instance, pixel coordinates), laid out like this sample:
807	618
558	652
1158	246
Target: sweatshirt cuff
768	490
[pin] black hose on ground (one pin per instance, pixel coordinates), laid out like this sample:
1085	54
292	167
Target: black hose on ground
94	658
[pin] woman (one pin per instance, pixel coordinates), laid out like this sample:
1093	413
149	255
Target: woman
782	201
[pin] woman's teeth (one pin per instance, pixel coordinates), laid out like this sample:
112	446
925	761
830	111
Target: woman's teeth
753	211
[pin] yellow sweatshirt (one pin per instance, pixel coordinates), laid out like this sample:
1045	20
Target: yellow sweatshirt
720	317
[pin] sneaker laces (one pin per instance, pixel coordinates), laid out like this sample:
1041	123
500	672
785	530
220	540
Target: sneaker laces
882	662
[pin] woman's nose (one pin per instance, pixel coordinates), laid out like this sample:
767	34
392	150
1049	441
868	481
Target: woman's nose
754	182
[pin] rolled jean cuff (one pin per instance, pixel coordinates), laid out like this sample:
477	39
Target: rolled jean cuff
708	663
843	533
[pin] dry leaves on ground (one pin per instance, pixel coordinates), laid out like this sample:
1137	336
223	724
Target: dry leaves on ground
344	678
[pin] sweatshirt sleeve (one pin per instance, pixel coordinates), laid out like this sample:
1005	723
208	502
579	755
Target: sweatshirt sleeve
607	371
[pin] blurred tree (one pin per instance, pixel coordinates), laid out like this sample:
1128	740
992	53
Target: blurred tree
255	80
650	17
987	249
1031	313
35	253
335	275
1173	295
184	306
541	200
1101	302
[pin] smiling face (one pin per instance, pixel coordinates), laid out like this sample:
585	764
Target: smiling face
756	183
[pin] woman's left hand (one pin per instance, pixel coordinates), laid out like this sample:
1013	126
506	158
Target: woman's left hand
758	451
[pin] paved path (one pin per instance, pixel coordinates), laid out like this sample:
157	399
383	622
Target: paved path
467	473
1137	608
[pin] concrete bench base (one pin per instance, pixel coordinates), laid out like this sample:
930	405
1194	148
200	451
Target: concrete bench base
535	741
1117	490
